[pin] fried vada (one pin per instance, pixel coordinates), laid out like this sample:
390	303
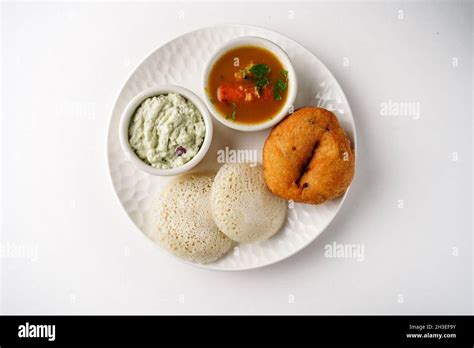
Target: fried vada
308	157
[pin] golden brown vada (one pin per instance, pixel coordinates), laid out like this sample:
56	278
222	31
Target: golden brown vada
308	157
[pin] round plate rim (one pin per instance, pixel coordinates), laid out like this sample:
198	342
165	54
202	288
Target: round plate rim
209	266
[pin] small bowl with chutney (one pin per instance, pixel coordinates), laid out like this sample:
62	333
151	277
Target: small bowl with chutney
165	130
249	84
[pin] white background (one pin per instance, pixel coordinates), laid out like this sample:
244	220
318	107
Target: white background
63	65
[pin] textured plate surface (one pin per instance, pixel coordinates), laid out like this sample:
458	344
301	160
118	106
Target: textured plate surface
181	62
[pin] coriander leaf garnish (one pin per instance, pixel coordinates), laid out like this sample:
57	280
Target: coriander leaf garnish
234	111
260	74
260	70
280	85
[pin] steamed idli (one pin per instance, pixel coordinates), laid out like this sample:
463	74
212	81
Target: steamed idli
183	223
242	206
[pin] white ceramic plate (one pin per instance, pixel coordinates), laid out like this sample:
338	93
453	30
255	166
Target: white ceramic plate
181	62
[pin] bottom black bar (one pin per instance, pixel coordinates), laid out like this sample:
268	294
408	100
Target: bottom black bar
133	330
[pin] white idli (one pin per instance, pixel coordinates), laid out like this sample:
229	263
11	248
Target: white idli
183	223
242	206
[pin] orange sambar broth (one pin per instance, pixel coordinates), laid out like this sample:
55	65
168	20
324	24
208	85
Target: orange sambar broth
253	112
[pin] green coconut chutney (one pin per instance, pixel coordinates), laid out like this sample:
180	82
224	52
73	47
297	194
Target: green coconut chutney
166	131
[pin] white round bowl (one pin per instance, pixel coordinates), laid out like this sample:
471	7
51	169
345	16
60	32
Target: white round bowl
282	57
132	107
